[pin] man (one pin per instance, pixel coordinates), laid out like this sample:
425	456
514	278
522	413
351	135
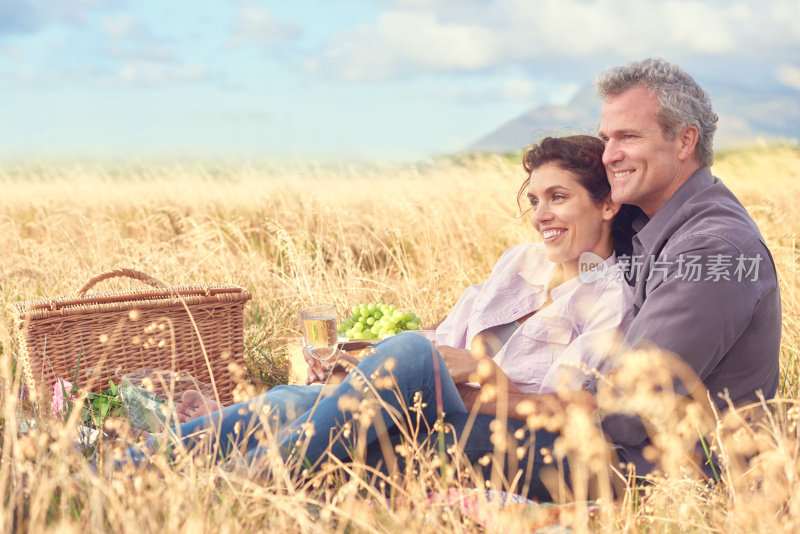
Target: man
705	284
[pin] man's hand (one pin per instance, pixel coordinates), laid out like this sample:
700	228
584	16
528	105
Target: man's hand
520	405
461	363
582	398
318	371
469	395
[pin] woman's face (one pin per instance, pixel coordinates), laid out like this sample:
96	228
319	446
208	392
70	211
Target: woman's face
569	221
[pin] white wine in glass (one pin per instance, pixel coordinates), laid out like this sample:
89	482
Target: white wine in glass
319	331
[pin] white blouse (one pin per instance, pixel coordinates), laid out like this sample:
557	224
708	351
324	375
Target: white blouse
562	345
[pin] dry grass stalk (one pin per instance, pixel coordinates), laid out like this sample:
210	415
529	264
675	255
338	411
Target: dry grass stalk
411	235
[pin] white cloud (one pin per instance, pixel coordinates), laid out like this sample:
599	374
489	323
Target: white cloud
423	3
415	36
789	76
142	73
254	25
130	40
12	51
497	90
405	40
120	26
787	12
148	52
518	89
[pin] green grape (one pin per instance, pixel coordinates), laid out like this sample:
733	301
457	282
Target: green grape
341	328
378	319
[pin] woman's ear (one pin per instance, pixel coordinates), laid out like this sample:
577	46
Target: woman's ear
610	208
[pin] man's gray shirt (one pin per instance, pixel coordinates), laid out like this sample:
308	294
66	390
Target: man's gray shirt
706	289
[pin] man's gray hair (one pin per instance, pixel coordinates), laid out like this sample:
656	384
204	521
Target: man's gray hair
682	102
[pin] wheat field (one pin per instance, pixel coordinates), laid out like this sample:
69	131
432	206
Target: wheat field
415	235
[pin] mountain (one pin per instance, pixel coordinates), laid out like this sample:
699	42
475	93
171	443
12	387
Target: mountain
746	116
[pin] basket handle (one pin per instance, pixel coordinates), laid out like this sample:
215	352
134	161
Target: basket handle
128	273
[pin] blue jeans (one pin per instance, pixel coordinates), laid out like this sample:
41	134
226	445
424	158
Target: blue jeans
306	419
285	413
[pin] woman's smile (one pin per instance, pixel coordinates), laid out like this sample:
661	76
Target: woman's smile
552	234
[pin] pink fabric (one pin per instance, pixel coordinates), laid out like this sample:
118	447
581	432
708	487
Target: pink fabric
562	344
58	404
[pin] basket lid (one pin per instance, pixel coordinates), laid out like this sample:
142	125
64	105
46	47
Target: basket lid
156	297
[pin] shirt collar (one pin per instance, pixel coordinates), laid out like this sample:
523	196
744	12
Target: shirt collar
573	283
538	278
648	232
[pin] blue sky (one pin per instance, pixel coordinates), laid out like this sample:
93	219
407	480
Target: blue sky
322	79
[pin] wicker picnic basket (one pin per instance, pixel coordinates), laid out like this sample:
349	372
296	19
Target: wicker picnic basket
190	329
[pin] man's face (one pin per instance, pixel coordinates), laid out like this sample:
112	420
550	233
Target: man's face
643	168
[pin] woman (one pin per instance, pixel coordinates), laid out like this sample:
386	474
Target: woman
542	322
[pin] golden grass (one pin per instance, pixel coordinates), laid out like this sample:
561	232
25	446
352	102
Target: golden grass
412	235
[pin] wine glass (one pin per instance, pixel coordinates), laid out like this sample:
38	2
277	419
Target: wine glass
430	335
319	331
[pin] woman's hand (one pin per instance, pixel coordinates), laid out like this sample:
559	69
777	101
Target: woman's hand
461	363
318	371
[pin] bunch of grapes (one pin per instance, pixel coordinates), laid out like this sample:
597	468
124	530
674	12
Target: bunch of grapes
371	321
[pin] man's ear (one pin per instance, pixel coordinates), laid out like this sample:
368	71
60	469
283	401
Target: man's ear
610	208
687	139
